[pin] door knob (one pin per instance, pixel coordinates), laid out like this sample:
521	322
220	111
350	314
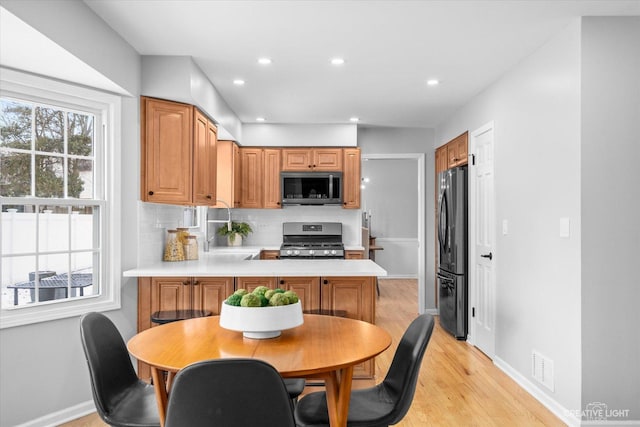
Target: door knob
489	255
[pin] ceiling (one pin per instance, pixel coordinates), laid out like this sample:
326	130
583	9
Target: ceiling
390	48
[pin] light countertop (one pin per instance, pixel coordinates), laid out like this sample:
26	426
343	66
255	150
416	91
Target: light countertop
239	262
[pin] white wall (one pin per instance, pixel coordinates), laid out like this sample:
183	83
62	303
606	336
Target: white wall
178	78
536	113
386	140
307	135
610	229
42	365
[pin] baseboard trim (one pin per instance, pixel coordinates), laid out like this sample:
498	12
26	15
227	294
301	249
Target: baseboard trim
60	417
557	409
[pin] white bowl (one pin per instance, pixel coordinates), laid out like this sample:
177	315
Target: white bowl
261	322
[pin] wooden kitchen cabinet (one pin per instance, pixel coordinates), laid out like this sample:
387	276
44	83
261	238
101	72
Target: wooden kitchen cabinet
356	297
269	254
178	154
260	178
353	254
228	174
442	161
351	179
307	289
312	159
457	151
178	293
250	283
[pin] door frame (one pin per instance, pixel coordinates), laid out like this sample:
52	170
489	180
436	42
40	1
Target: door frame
471	213
420	183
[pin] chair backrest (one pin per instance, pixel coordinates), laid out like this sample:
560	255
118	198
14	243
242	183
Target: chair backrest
230	393
400	382
110	367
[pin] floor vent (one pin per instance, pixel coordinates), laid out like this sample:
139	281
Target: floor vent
542	369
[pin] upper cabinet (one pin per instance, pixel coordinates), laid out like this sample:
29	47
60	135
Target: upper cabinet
351	178
178	154
228	174
260	178
457	151
312	159
441	159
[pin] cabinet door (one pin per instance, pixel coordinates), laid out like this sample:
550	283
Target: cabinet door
251	182
250	283
269	254
170	293
226	183
457	151
271	182
204	160
441	160
307	289
356	297
354	254
327	159
237	176
297	159
210	292
166	153
351	178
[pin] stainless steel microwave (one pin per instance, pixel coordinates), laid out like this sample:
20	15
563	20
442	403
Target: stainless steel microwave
311	188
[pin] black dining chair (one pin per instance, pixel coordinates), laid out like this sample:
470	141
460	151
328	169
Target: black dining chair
229	393
386	403
121	399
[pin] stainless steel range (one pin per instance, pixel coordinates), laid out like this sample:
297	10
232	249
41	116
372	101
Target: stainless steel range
311	240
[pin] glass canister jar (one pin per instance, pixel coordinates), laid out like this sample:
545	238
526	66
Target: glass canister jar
182	235
173	250
191	248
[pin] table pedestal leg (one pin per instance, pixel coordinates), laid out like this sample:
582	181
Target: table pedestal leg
338	386
161	393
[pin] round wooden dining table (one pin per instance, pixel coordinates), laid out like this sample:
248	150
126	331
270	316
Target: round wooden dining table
323	347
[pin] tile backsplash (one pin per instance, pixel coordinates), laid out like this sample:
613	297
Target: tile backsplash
155	220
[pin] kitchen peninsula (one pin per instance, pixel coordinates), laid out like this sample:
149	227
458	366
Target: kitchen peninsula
339	286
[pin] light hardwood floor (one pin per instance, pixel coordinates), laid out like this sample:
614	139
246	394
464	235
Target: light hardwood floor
458	385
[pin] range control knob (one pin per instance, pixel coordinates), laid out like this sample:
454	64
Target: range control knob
311	251
296	252
326	251
333	252
288	251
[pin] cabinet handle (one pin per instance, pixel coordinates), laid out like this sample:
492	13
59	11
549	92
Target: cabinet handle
325	282
209	196
151	193
185	283
196	283
310	166
281	282
278	203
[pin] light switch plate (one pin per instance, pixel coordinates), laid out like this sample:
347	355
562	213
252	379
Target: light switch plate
565	227
505	227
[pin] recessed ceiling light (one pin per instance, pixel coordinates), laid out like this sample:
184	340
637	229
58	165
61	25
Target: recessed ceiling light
264	61
238	82
337	61
354	119
260	119
433	82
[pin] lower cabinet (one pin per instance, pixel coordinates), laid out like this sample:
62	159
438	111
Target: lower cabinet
352	297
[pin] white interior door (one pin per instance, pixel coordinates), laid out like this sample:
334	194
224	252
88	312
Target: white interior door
482	241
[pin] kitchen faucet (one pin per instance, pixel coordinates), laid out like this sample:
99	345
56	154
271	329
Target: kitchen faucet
208	239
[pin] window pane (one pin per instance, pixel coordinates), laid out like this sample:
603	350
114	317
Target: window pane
80	134
83	276
80	178
18	229
54	279
49	176
16	287
15	124
54	228
49	130
15	174
84	226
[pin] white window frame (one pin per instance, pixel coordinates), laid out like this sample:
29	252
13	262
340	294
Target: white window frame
14	84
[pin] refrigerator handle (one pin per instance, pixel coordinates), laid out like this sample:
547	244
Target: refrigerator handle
443	216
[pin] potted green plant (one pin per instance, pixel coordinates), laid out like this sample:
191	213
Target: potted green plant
237	232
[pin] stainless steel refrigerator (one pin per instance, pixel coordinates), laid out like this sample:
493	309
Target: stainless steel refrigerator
452	251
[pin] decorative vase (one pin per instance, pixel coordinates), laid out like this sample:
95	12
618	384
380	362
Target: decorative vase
235	242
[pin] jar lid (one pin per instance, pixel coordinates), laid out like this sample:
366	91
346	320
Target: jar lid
191	237
172	231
